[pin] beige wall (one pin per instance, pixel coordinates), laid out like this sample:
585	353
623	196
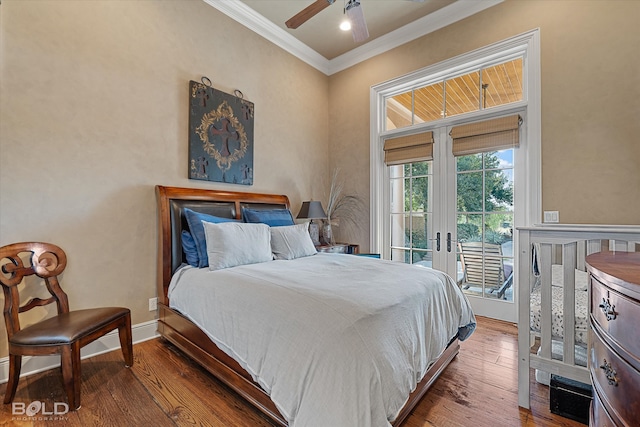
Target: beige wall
590	101
94	114
94	98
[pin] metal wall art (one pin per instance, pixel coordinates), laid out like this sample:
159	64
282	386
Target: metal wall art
220	135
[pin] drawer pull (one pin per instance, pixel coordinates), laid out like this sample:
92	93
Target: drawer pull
609	372
608	309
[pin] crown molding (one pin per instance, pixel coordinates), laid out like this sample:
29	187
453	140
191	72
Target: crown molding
240	12
243	14
414	30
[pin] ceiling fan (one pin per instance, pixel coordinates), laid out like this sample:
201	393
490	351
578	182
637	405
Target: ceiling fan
353	10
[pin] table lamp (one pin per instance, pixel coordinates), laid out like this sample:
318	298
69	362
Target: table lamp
312	210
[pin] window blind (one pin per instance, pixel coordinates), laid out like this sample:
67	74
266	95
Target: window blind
488	135
408	149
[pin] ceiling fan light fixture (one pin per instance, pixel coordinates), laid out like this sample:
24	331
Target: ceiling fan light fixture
358	24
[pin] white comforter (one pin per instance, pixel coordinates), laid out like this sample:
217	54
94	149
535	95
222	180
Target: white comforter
336	340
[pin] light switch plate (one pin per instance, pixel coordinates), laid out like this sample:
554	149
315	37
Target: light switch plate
551	216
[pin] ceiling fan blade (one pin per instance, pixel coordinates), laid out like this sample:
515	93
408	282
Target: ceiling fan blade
359	29
308	12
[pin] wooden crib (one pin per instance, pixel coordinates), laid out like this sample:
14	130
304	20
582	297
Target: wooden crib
542	251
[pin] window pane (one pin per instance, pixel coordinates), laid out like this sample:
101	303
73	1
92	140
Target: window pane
498	190
399	255
420	168
397	225
407	195
429	103
504	158
499	180
419	232
396	171
470	228
421	257
498	228
469	193
498	159
397	195
462	94
400	230
399	111
420	194
472	162
502	83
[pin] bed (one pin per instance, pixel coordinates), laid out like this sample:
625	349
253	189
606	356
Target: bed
379	343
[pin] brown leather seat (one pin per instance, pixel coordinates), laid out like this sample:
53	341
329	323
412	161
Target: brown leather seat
64	334
67	327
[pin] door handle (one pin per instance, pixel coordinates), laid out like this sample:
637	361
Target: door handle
449	242
437	239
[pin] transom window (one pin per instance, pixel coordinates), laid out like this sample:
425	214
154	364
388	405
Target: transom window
480	89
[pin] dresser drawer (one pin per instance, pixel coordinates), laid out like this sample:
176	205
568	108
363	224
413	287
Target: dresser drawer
617	315
599	415
606	366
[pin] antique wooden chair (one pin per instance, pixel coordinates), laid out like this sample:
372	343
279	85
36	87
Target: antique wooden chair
64	334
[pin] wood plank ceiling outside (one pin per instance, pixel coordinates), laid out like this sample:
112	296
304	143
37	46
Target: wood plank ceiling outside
465	94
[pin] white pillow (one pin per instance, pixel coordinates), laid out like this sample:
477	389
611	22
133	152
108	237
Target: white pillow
291	242
236	243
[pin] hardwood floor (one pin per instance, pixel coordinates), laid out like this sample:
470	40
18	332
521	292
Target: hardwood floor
164	388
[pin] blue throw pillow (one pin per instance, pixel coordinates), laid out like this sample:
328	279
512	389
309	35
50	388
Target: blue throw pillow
189	248
271	217
194	219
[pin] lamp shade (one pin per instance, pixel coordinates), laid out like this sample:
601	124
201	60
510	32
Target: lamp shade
311	210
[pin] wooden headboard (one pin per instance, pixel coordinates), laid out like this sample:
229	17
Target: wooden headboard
171	221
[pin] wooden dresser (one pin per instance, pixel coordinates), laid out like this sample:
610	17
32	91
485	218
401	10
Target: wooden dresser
614	341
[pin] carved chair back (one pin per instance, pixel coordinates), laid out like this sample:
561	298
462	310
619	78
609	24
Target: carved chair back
20	260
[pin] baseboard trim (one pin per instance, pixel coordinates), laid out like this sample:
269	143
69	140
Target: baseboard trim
32	365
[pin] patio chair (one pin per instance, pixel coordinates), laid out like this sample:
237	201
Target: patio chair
472	255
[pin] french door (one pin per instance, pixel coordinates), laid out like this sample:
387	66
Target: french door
439	202
456	213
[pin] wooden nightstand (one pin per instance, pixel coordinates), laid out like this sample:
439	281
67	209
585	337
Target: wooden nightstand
339	248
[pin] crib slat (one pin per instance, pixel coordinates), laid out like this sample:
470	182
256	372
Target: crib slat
618	245
569	301
593	246
546	312
581	263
